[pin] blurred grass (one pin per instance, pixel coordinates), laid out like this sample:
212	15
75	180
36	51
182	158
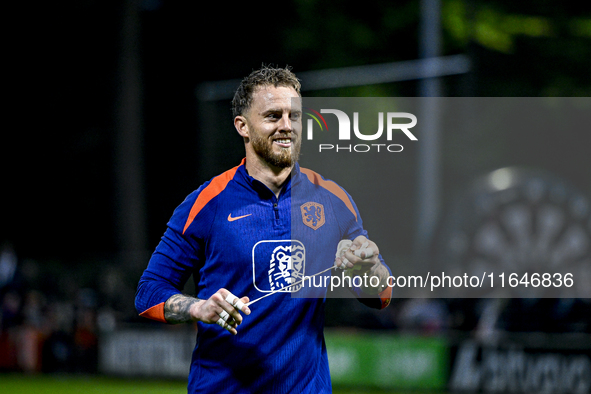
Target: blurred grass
67	384
359	390
70	384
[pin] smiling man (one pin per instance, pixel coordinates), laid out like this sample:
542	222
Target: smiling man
271	129
243	235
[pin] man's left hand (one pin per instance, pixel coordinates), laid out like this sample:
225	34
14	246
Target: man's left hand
359	255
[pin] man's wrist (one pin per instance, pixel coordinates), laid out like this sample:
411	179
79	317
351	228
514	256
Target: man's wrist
181	308
371	285
195	308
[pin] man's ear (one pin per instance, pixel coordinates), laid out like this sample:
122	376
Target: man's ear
241	126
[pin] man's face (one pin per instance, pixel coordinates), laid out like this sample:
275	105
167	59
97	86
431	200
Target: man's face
275	125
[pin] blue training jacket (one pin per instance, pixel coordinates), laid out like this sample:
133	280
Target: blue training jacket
233	232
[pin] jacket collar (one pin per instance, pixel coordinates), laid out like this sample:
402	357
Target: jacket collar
244	178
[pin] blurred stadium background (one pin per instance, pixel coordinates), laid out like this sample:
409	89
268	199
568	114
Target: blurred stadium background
121	112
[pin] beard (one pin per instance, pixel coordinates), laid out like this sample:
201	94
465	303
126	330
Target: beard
285	158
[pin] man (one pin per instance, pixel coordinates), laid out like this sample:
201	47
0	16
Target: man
260	227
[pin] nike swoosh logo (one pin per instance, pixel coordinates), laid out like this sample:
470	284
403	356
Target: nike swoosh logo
231	219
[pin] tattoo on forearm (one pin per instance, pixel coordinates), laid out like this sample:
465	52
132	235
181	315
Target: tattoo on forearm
381	272
177	307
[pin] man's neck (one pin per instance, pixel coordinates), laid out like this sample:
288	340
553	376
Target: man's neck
272	177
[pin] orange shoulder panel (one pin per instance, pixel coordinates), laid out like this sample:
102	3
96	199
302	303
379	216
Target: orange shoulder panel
385	297
332	187
215	187
155	313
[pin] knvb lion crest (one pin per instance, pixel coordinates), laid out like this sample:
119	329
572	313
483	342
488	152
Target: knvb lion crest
313	215
286	268
278	265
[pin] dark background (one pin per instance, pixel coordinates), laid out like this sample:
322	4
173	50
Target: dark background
62	158
59	198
